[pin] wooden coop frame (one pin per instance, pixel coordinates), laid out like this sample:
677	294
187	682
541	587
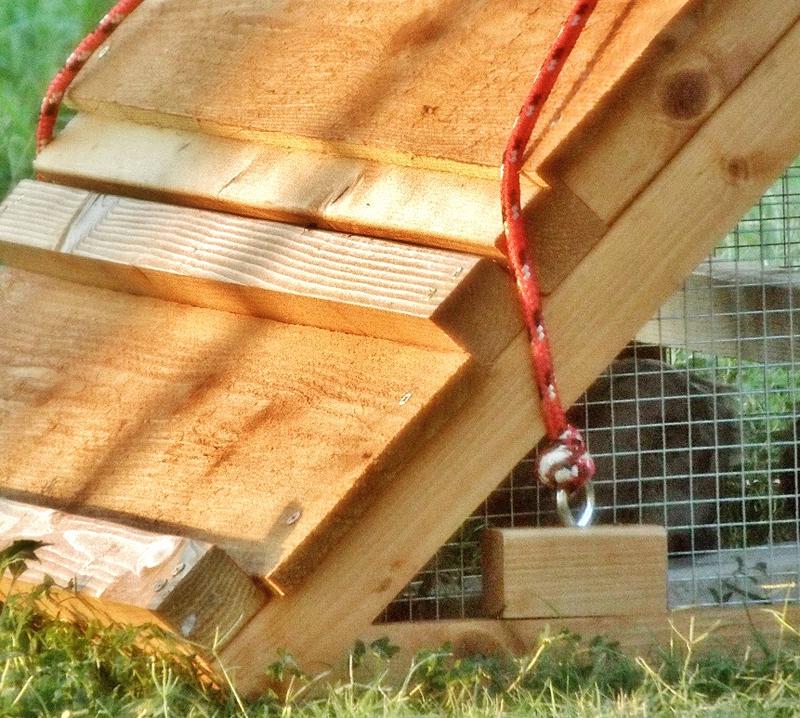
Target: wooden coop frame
234	404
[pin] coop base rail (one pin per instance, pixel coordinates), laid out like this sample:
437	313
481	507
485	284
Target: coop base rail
704	629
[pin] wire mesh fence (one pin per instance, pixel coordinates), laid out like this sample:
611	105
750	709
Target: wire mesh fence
695	427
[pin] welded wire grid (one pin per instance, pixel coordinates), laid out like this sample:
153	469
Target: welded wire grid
696	428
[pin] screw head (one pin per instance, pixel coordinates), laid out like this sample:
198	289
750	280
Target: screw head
179	569
159	585
293	517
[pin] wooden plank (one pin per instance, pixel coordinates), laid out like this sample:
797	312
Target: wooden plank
714	180
562	572
261	437
257	180
421	165
360	285
430	83
437	209
744	311
120	574
732	630
680	81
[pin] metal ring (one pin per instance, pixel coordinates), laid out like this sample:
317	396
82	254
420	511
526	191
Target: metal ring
565	512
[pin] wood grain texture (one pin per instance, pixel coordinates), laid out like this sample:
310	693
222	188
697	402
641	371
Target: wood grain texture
261	437
443	300
431	83
732	630
121	574
558	573
253	179
695	63
743	311
391	123
714	180
437	209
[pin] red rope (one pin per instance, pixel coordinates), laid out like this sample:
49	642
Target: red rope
568	465
51	104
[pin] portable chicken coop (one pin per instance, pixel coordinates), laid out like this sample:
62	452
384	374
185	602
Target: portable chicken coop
259	354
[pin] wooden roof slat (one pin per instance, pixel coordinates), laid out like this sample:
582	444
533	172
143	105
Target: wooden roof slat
261	437
436	209
360	285
428	83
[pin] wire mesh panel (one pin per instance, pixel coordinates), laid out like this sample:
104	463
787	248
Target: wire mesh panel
695	427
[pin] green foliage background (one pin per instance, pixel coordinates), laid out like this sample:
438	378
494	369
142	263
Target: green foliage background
36	36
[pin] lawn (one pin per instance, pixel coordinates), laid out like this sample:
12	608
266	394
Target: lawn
50	668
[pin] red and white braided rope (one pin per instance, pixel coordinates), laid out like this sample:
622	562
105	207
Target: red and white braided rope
567	465
51	104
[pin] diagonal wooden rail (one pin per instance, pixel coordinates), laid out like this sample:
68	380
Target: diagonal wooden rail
656	241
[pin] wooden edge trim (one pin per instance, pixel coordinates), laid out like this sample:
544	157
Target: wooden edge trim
414	295
107	571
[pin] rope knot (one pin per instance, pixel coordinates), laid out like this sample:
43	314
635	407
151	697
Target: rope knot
566	464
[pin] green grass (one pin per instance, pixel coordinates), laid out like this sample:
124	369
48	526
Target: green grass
52	668
36	36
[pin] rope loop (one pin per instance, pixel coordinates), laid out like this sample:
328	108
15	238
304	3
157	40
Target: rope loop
566	465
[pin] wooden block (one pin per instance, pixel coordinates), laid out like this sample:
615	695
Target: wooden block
413	295
685	75
743	311
264	438
120	574
713	181
561	572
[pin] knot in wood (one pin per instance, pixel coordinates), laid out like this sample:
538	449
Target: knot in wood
686	95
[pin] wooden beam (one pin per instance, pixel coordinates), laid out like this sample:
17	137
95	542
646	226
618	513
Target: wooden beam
694	65
558	573
264	438
743	310
120	574
413	295
658	240
731	629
